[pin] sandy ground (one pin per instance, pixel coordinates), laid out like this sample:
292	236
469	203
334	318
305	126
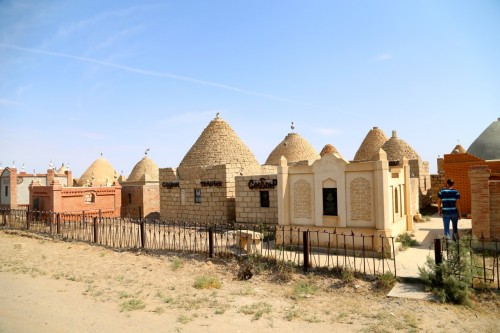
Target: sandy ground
53	286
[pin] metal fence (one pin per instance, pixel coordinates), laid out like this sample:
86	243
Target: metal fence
367	254
481	255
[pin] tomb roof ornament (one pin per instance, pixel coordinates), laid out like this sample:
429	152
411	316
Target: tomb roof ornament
370	146
218	144
294	148
62	169
487	144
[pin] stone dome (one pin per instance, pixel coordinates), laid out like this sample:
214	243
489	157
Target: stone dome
458	150
487	145
328	149
218	144
396	149
99	173
370	146
294	148
146	168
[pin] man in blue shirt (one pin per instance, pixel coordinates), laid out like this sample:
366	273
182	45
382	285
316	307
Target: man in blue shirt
449	208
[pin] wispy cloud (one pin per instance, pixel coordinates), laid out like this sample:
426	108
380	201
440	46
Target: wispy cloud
5	101
155	74
383	57
21	89
95	20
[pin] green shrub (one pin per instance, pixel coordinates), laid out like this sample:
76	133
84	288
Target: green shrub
347	275
207	282
406	240
303	289
452	279
385	281
132	305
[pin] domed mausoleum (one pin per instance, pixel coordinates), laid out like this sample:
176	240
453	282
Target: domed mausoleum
397	149
487	145
484	151
371	144
294	148
99	173
202	188
141	191
97	192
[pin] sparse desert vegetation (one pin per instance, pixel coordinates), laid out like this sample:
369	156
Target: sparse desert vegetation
192	293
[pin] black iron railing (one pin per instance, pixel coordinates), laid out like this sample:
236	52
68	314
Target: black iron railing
310	249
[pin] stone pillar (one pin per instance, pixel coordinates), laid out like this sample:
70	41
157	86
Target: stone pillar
55	196
13	188
50	176
480	201
283	193
118	198
381	188
407	195
69	177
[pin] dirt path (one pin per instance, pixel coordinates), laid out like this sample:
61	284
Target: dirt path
53	286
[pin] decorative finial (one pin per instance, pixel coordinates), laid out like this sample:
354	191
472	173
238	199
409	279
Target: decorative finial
34	172
68	167
292	127
146	152
394	134
101	153
217	115
13	164
51	166
22	169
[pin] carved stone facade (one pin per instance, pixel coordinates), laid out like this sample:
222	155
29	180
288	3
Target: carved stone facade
371	197
302	199
361	199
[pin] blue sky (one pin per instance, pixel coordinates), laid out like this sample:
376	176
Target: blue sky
81	78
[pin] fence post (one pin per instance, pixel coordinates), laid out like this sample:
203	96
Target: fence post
306	250
438	257
210	242
51	215
96	230
28	218
58	223
143	233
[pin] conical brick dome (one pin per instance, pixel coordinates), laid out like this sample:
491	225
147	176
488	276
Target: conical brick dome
145	167
218	144
370	146
458	150
99	173
294	148
396	149
487	145
328	149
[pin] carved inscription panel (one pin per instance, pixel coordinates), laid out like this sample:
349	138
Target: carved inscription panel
302	199
361	205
